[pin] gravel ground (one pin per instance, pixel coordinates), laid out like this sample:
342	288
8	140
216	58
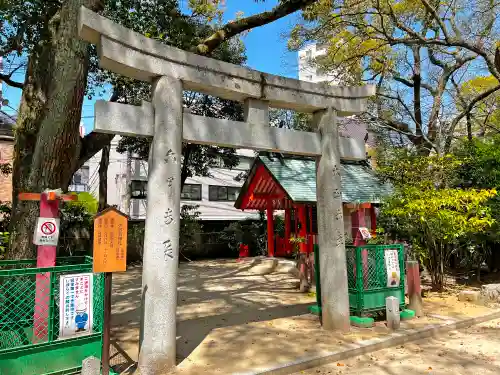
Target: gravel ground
472	351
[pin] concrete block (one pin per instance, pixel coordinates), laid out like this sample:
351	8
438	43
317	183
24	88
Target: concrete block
491	292
362	321
392	312
91	366
315	310
407	314
469	296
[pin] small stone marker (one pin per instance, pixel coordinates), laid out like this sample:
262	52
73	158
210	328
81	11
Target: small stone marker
91	366
469	296
392	312
491	292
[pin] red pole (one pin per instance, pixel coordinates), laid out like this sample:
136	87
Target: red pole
270	229
46	257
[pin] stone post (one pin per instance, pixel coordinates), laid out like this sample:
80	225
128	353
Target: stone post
392	312
332	256
161	241
414	289
91	366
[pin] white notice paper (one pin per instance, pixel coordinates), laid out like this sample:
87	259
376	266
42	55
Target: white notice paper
392	267
75	304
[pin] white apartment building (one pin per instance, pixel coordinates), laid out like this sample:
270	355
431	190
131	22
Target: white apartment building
307	69
215	195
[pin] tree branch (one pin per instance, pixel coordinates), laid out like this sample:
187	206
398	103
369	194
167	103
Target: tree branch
236	27
6	78
432	11
467	110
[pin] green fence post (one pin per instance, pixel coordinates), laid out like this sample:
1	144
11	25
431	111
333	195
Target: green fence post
316	309
53	280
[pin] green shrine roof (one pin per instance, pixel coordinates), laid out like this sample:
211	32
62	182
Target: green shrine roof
298	178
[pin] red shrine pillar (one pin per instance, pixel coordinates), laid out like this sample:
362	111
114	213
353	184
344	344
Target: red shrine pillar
287	231
310	242
270	229
303	227
358	221
373	218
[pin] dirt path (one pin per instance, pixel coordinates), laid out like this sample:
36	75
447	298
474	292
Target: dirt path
211	294
473	351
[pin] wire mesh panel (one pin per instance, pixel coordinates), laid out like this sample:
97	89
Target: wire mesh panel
30	316
369	279
351	268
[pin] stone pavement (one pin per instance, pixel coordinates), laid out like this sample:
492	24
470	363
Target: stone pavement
248	318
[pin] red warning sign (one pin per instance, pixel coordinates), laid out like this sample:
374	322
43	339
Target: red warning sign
46	231
48	228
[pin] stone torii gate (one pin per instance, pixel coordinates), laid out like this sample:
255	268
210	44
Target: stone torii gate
171	71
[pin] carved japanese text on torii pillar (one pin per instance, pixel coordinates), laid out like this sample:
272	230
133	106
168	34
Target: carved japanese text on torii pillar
171	71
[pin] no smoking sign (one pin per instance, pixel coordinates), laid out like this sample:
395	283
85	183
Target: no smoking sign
46	232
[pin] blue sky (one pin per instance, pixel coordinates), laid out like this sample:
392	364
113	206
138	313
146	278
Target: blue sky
266	51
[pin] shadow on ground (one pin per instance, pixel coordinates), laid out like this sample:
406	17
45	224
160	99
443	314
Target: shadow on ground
211	295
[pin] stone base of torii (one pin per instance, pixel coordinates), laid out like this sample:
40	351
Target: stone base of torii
171	71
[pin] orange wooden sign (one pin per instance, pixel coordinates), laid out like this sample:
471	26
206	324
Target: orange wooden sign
110	241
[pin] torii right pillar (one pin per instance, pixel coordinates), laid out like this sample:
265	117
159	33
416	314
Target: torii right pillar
332	257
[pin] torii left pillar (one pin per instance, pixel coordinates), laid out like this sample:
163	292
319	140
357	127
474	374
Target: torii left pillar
157	347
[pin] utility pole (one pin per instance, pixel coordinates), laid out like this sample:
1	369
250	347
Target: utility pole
128	188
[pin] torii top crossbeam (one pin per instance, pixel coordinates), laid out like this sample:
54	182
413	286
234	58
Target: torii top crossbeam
129	53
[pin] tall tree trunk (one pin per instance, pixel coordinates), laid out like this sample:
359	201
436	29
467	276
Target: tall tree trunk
47	146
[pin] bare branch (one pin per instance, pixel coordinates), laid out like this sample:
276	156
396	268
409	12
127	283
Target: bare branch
236	27
432	11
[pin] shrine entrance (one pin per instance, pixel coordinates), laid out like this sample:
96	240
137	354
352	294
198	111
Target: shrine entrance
171	71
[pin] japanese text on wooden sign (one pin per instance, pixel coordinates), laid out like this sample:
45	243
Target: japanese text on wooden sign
110	241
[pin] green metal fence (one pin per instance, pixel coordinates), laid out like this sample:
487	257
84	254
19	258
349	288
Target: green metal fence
29	319
368	279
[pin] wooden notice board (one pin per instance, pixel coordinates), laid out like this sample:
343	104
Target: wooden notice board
110	241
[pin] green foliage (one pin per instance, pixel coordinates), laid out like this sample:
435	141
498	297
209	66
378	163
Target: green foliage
87	201
190	228
429	211
480	160
5	212
76	228
251	233
402	167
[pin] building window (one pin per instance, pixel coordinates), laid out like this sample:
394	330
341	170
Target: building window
138	189
80	180
309	77
308	54
191	192
223	193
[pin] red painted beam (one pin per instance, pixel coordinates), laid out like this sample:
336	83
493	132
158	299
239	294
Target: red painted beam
249	194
